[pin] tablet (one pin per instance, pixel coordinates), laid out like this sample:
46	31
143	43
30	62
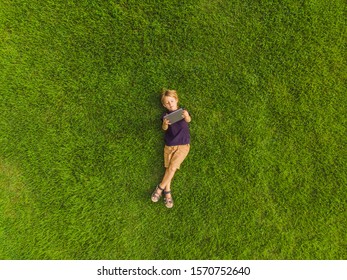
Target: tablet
175	116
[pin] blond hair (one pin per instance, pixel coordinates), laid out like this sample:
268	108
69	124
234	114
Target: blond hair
169	92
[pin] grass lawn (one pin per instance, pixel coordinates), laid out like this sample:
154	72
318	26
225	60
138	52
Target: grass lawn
81	141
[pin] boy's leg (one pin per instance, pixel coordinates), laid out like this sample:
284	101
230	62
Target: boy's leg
166	181
173	164
169	174
167	191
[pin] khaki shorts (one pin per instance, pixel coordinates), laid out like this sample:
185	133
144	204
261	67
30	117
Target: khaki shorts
175	155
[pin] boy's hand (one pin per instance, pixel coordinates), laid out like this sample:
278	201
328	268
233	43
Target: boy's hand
166	122
186	116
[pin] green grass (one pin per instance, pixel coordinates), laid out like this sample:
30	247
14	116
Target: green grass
265	83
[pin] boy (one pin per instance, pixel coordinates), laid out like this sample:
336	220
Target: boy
177	146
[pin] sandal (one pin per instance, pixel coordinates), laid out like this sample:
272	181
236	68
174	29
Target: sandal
155	195
168	201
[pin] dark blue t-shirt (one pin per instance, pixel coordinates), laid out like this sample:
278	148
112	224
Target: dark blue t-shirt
177	133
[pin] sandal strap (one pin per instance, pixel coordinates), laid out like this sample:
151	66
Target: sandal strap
168	202
167	192
155	194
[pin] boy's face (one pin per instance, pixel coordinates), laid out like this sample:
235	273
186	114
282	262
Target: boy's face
170	103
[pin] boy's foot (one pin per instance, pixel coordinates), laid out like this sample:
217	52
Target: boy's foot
157	193
168	199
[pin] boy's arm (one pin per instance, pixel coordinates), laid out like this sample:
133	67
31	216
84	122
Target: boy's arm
186	116
165	124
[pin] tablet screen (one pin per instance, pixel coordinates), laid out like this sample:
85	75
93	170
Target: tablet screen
175	116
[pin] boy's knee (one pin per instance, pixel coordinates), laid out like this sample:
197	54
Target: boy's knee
172	169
